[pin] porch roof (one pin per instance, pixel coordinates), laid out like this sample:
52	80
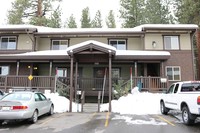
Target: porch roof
142	55
91	45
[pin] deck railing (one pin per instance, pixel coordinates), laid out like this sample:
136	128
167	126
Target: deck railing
89	85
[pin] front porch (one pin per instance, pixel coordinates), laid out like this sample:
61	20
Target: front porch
91	86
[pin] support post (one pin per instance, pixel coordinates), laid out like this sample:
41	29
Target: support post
71	82
110	80
17	71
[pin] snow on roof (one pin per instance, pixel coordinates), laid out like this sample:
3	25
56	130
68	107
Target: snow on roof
167	26
141	53
44	53
99	44
43	30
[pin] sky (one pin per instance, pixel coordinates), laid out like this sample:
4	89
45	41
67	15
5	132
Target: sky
74	7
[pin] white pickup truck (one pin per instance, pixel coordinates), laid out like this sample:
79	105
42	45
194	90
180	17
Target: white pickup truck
184	97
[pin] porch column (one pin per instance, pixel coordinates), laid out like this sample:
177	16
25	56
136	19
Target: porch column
135	64
71	82
110	80
17	71
76	86
50	68
161	69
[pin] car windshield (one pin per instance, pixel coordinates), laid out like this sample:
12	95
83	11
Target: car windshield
17	97
190	87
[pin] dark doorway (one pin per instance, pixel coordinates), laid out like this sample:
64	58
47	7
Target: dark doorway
153	69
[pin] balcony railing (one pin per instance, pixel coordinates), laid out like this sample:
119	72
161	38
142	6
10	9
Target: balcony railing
89	85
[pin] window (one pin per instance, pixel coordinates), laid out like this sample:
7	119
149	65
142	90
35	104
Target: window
115	72
171	42
4	70
59	44
173	73
171	89
62	72
119	44
8	43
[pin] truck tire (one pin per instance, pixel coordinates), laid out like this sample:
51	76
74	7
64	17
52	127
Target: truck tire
187	117
163	109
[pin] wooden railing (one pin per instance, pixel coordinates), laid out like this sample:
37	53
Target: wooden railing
36	82
91	86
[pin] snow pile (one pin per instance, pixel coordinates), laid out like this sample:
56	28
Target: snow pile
136	103
61	104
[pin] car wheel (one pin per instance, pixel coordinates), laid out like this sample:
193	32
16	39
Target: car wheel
51	110
187	117
163	109
34	118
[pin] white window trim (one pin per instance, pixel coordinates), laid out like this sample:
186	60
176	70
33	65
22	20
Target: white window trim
173	71
8	37
8	70
125	40
59	42
170	42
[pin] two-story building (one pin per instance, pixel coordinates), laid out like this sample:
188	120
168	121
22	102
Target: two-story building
92	60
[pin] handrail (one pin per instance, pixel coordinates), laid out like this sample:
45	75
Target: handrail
99	98
82	100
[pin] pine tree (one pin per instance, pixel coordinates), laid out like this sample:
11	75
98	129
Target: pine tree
97	22
158	12
85	19
55	19
71	22
110	20
31	11
132	12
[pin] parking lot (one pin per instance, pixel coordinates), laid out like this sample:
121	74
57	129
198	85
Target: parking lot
101	123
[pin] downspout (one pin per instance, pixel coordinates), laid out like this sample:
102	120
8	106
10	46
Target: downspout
71	81
193	55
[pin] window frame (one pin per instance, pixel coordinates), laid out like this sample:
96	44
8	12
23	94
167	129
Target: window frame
59	40
118	39
1	70
173	67
8	37
178	39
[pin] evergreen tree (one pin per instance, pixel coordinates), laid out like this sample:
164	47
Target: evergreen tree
71	22
188	11
132	12
158	12
55	19
31	11
85	19
97	22
110	20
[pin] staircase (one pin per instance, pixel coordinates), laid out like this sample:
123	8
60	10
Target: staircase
90	107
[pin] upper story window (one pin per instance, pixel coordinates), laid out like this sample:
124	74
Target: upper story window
173	73
8	42
59	44
119	44
171	42
4	70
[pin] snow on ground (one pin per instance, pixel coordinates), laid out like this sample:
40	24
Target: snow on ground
136	103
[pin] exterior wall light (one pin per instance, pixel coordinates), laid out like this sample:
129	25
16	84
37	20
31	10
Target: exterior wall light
154	44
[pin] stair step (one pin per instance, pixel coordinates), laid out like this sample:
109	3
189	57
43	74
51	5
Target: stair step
90	107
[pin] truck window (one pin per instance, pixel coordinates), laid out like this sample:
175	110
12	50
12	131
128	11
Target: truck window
176	88
171	88
188	87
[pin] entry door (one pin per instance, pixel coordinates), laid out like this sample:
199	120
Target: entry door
99	75
153	69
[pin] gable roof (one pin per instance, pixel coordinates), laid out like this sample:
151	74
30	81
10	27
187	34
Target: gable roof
91	44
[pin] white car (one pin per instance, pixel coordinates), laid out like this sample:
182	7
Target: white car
25	105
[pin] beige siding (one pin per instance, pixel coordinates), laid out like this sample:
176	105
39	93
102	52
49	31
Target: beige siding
185	42
44	44
149	38
24	42
74	41
134	44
